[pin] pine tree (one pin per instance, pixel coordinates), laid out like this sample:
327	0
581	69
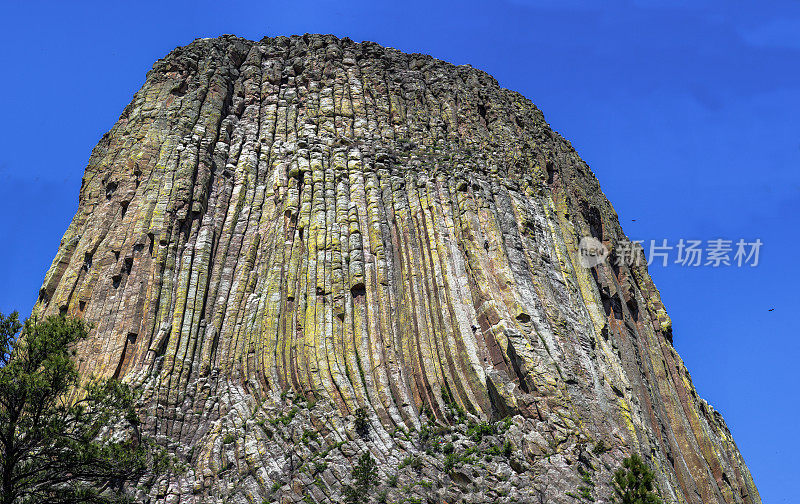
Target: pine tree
61	442
634	483
365	476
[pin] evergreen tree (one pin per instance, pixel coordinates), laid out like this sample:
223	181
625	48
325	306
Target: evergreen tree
365	476
60	442
362	423
634	483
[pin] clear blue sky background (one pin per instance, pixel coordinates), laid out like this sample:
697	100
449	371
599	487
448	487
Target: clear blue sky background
687	111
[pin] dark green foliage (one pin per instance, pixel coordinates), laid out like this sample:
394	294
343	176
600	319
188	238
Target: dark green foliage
412	462
482	429
453	412
506	449
308	436
586	493
586	489
425	411
453	459
450	461
634	483
600	448
365	477
286	419
320	467
429	438
55	435
361	423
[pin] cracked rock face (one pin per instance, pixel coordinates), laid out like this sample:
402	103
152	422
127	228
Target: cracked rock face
278	233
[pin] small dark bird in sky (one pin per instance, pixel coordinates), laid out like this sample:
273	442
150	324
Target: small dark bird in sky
771	309
633	220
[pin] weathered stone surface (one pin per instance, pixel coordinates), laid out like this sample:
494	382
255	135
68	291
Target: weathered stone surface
276	233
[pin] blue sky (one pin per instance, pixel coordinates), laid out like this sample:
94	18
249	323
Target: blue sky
687	112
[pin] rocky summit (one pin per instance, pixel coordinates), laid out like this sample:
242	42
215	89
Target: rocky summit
305	249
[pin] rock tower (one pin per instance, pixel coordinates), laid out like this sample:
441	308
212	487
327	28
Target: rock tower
304	249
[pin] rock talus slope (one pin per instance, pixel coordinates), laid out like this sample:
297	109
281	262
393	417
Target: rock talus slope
278	233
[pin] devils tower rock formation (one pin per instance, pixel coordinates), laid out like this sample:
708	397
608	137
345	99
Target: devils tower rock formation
276	234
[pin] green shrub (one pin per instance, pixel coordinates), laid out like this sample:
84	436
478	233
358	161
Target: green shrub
412	462
285	419
600	448
365	476
634	483
308	436
586	493
477	432
450	462
361	423
453	411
